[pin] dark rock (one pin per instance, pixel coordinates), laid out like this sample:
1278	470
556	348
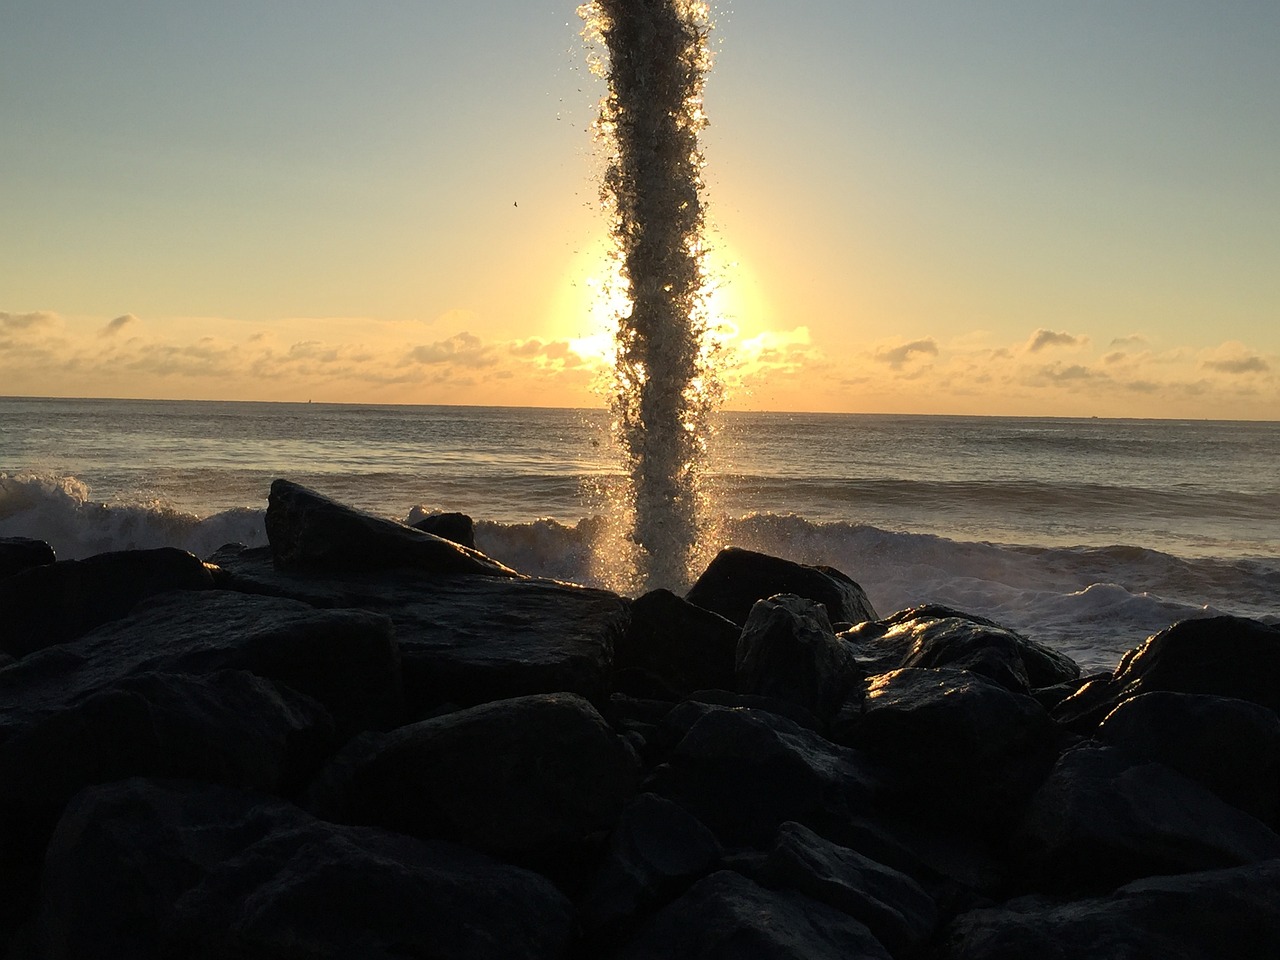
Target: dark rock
466	640
537	780
744	772
653	855
53	603
1196	916
456	527
310	532
1218	656
937	636
737	578
141	869
728	917
1230	746
22	553
892	905
968	750
674	647
1102	819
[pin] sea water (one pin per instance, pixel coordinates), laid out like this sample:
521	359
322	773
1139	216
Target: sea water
1086	534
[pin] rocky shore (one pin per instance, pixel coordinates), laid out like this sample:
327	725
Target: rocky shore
372	741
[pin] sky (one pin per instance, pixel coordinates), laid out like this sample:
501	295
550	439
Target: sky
919	206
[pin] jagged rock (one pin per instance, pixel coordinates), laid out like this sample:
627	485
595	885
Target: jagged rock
789	651
1219	656
744	772
737	578
1102	819
1196	916
537	780
673	647
143	869
56	602
455	527
938	636
656	851
1230	746
968	750
22	553
465	640
310	532
894	907
728	916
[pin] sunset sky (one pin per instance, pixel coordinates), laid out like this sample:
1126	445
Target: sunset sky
920	206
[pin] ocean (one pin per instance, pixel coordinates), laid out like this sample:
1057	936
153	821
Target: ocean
1086	534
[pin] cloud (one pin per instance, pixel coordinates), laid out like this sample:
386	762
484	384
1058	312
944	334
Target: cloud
1048	338
899	355
119	323
1252	364
1133	340
462	349
19	322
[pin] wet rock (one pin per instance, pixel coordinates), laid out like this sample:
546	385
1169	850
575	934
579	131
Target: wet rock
310	532
737	578
1230	746
1102	819
56	602
455	527
967	750
537	780
728	916
143	869
894	907
744	772
672	648
23	553
789	651
1218	656
1195	916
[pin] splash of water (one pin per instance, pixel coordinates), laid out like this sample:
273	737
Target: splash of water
664	389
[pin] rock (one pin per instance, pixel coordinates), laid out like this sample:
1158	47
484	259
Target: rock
144	869
1218	656
744	772
455	527
466	640
654	854
789	651
1102	819
1196	916
937	636
53	603
894	907
728	916
673	647
968	750
536	780
310	532
22	553
737	578
1230	746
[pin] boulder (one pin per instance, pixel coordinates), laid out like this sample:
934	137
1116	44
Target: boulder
537	780
789	651
737	578
310	532
1230	746
56	602
22	553
726	916
1218	656
455	527
967	750
465	640
1195	916
672	647
145	869
1102	819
